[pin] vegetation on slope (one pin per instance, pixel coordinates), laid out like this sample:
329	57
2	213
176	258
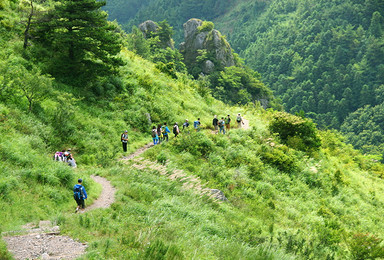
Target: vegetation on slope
323	203
323	58
285	201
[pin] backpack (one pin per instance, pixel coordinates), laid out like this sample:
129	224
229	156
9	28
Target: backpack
154	133
222	122
175	129
238	119
78	193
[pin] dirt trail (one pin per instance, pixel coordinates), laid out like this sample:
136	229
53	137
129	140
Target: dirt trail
246	124
107	196
43	241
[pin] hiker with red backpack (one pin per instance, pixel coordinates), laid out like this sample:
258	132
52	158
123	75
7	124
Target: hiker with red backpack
79	194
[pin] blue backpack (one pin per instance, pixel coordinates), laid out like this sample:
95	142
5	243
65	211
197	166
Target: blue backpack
78	193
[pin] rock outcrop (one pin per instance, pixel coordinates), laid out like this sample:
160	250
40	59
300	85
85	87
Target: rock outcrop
149	27
200	40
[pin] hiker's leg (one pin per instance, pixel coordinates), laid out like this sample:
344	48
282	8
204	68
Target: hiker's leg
124	147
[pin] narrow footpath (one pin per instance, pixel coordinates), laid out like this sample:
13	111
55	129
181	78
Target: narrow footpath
43	241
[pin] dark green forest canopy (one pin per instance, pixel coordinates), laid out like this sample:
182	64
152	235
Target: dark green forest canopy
325	58
82	44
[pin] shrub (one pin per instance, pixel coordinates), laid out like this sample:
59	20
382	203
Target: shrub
197	144
296	132
281	159
162	157
365	246
206	26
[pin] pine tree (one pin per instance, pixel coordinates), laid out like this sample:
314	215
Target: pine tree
376	27
82	43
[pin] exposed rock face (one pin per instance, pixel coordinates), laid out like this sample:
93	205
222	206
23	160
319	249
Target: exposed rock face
210	41
208	67
148	27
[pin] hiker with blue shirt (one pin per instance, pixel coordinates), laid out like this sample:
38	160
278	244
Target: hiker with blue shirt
197	124
155	137
79	194
165	131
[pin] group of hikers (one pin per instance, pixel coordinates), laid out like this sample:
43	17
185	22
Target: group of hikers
79	193
65	156
224	124
160	133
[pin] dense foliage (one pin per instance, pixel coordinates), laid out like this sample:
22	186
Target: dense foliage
283	202
321	57
174	11
305	204
236	84
79	43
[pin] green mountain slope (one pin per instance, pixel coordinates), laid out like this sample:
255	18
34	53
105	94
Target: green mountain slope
323	58
294	192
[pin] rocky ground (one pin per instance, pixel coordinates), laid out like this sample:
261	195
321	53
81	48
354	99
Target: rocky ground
43	241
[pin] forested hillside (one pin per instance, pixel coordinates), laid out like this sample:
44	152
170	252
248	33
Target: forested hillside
324	58
71	79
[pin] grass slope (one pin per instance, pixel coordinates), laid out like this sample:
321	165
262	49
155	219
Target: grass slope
283	203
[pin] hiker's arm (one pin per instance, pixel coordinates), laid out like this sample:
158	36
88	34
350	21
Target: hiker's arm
85	193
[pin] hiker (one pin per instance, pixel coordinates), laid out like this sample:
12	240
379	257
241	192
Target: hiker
186	125
159	133
176	130
72	162
227	123
197	124
155	137
239	120
66	155
221	125
58	156
165	131
79	194
62	155
124	140
215	123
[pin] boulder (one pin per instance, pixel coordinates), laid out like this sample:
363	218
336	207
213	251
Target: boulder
208	67
210	41
218	194
148	26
